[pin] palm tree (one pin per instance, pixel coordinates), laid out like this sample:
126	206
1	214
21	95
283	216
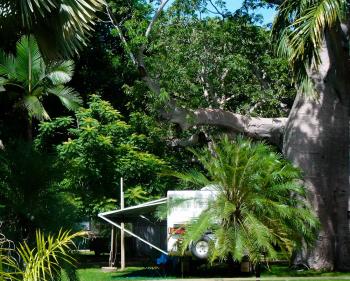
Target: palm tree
29	79
313	35
260	205
60	26
300	28
43	262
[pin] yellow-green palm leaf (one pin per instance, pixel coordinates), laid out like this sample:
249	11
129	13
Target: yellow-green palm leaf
299	29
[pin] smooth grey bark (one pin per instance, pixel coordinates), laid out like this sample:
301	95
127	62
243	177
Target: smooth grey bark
317	140
256	127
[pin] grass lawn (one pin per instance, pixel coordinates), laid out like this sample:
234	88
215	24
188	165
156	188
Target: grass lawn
284	271
276	271
130	273
90	270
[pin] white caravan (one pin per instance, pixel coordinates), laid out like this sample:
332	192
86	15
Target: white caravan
183	206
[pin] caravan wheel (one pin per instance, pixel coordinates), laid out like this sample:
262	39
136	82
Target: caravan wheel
200	248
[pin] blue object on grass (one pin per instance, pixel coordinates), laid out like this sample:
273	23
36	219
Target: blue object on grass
163	259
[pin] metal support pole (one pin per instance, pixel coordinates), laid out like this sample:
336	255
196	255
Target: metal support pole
112	253
122	240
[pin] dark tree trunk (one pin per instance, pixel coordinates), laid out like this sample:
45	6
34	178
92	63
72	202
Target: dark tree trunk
317	140
30	129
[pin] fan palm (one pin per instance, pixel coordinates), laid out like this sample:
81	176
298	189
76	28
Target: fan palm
30	79
299	29
44	262
260	205
60	26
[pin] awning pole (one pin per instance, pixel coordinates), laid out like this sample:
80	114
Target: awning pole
122	245
113	247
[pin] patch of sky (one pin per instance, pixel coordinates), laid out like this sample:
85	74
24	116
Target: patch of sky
267	14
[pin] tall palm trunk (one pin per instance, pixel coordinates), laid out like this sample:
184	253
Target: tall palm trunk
30	129
317	140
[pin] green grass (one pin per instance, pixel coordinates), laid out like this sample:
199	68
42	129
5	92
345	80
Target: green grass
139	273
96	274
130	273
284	271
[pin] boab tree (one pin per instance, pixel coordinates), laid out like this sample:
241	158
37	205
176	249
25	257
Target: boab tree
315	136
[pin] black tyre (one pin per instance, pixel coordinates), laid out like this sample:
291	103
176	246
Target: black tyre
200	248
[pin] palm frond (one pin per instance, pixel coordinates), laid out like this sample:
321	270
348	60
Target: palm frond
68	96
61	27
44	260
9	267
29	63
299	29
194	177
35	108
196	228
30	9
61	73
7	65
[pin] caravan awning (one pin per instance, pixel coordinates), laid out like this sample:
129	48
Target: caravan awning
132	214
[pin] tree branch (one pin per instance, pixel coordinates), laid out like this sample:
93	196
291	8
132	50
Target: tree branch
121	36
266	128
275	2
217	10
155	17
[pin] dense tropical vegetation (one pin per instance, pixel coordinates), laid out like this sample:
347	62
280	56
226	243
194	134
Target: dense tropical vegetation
157	77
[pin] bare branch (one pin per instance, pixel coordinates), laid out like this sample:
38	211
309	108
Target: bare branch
192	140
275	2
155	17
217	10
121	36
268	128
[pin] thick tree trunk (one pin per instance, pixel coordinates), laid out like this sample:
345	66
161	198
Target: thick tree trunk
317	140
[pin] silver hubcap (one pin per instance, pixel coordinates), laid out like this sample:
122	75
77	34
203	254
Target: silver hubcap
202	248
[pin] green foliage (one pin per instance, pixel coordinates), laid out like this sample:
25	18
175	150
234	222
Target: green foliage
100	149
210	64
59	26
44	261
205	61
136	195
31	195
299	30
29	79
260	207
